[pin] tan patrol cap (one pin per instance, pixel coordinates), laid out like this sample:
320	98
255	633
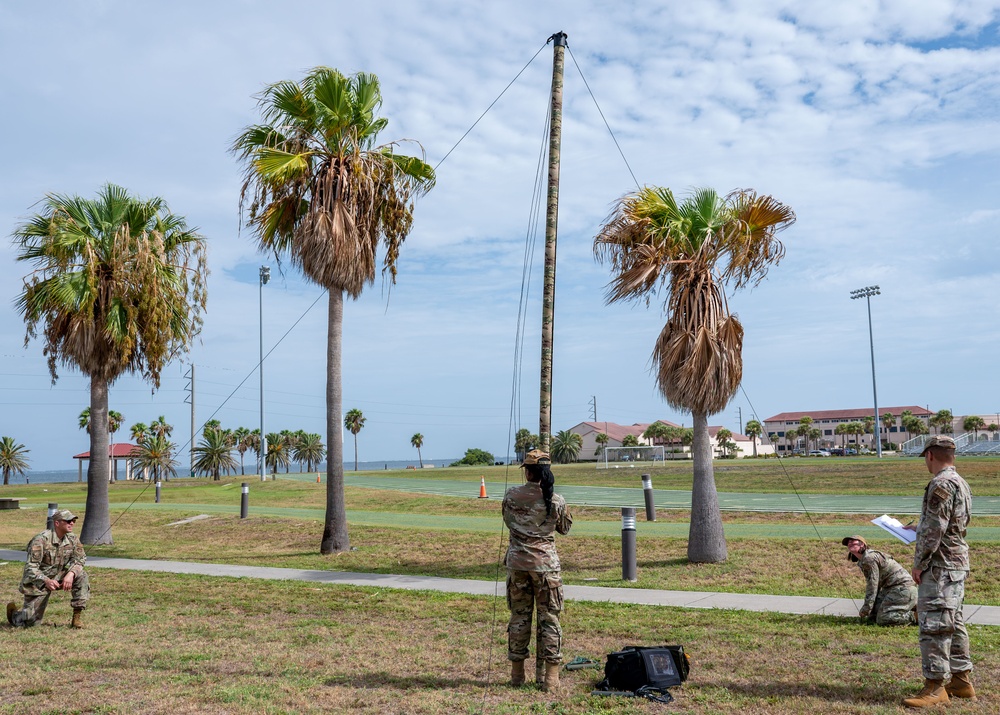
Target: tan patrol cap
64	515
938	440
536	456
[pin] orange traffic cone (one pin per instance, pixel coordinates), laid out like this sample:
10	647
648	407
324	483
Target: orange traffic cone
317	478
482	488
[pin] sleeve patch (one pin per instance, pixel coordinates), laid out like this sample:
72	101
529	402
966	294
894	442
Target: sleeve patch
942	494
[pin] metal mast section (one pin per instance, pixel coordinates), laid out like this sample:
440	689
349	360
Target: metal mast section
551	229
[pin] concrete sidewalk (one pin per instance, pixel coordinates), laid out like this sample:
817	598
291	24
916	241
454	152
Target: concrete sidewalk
979	615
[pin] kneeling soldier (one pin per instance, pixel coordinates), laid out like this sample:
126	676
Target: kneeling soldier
55	562
890	593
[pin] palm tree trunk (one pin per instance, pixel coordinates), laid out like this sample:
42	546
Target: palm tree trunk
335	536
706	538
355	451
418	457
96	527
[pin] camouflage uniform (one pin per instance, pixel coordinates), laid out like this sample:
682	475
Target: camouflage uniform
533	574
942	557
53	559
890	594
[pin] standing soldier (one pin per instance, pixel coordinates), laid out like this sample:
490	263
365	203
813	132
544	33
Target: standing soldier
55	562
534	582
940	565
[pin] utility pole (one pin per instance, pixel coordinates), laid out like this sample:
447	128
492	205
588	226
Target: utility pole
551	230
593	408
190	397
867	292
739	416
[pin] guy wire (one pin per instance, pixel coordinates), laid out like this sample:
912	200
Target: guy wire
798	496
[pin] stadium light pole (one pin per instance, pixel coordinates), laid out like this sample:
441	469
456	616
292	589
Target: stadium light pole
265	276
867	292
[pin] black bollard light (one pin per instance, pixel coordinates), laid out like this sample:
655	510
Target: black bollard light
157	491
647	492
628	544
245	501
53	508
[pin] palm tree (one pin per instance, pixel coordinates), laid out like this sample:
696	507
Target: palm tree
115	420
354	420
137	431
974	423
241	439
601	439
323	192
754	429
118	285
156	452
417	441
888	422
214	453
942	421
310	450
524	442
805	424
12	458
160	427
630	440
814	435
566	446
254	440
722	438
694	250
277	452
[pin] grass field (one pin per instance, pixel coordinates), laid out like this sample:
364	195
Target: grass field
159	643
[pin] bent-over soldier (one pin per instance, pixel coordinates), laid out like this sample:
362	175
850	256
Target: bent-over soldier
55	562
890	593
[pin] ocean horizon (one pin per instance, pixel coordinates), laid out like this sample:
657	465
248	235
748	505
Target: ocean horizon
53	476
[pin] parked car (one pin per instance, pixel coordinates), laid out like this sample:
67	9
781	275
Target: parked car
837	452
819	453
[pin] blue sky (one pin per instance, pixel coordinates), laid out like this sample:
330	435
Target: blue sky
876	122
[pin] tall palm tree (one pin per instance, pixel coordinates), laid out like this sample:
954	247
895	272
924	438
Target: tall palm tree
156	452
942	421
354	420
417	441
888	421
137	431
214	453
754	429
310	450
254	440
566	446
277	452
241	437
694	250
601	440
722	439
324	193
118	284
13	458
973	423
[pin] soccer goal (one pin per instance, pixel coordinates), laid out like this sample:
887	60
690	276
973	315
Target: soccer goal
630	457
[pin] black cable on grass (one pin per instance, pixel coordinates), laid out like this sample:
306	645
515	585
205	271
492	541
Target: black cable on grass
795	491
223	404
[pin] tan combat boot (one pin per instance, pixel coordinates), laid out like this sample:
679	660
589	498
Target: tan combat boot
540	672
11	608
517	673
77	615
960	686
551	684
932	694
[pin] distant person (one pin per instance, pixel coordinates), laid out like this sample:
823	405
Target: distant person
890	594
534	579
940	566
55	562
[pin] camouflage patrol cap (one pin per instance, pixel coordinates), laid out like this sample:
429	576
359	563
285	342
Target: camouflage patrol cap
938	440
848	539
536	456
64	515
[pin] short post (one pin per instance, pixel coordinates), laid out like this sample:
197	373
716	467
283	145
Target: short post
647	492
53	507
245	501
628	544
157	491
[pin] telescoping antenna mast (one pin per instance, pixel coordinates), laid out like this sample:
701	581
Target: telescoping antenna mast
551	230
